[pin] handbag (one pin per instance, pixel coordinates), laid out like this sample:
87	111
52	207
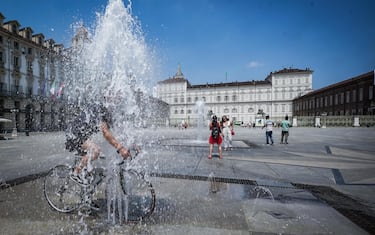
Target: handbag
232	132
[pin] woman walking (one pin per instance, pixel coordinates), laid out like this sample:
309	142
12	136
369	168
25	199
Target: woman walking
227	133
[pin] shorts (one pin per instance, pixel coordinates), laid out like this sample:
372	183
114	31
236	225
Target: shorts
74	143
218	141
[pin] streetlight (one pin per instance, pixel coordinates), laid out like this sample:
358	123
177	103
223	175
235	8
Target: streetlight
14	132
324	121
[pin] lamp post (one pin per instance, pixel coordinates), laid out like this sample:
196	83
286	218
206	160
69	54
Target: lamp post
324	121
9	59
14	132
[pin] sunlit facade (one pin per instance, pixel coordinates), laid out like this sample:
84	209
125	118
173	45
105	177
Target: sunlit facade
243	102
30	76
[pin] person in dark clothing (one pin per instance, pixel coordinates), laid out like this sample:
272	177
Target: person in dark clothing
215	137
87	122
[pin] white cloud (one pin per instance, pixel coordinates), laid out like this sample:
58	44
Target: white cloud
253	64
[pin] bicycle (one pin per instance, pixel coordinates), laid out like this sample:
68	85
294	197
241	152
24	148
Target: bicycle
66	196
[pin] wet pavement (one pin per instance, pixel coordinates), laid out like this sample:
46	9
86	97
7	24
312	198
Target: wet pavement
321	183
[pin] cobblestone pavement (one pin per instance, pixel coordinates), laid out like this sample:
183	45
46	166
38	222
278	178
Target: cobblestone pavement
322	182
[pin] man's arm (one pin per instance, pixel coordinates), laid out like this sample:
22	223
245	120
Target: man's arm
124	152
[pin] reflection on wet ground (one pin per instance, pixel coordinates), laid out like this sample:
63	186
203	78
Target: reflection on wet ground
206	202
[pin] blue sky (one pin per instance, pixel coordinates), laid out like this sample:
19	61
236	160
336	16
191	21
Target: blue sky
230	40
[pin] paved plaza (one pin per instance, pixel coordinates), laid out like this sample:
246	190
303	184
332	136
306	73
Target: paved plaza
322	182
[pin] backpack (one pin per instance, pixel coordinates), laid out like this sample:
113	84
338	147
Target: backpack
215	131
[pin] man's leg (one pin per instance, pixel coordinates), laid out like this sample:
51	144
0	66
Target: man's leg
92	153
286	137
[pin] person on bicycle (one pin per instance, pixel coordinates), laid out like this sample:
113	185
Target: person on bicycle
88	121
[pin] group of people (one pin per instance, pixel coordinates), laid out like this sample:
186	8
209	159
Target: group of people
220	131
285	124
223	131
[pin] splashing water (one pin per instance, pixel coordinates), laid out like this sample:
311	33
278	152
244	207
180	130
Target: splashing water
112	65
200	110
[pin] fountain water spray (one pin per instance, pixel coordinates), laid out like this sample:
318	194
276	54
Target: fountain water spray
111	65
200	110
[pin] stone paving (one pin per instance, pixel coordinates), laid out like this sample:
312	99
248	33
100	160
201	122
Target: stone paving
322	182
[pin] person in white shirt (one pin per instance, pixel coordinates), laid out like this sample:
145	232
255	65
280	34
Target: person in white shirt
268	124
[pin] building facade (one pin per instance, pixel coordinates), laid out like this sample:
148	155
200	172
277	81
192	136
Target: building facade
33	72
350	98
243	102
30	72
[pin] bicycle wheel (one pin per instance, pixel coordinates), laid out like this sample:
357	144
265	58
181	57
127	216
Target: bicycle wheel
140	195
61	192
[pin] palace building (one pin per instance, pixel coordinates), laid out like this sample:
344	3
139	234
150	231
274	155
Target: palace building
33	74
354	96
244	102
30	74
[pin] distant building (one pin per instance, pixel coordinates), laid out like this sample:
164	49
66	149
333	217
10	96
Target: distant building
243	102
354	96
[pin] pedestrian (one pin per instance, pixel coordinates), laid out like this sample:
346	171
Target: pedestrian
215	137
285	124
227	133
268	124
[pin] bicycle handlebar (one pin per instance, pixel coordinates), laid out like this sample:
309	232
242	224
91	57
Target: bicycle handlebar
134	150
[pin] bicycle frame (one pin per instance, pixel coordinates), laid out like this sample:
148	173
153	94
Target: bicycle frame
66	195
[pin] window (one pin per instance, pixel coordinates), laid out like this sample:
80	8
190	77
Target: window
226	110
234	110
204	98
15	61
218	98
175	100
361	94
1	56
189	99
189	111
30	51
15	45
347	96
182	100
226	98
370	92
182	111
28	34
14	28
176	112
29	65
1	39
234	98
250	110
196	99
342	98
